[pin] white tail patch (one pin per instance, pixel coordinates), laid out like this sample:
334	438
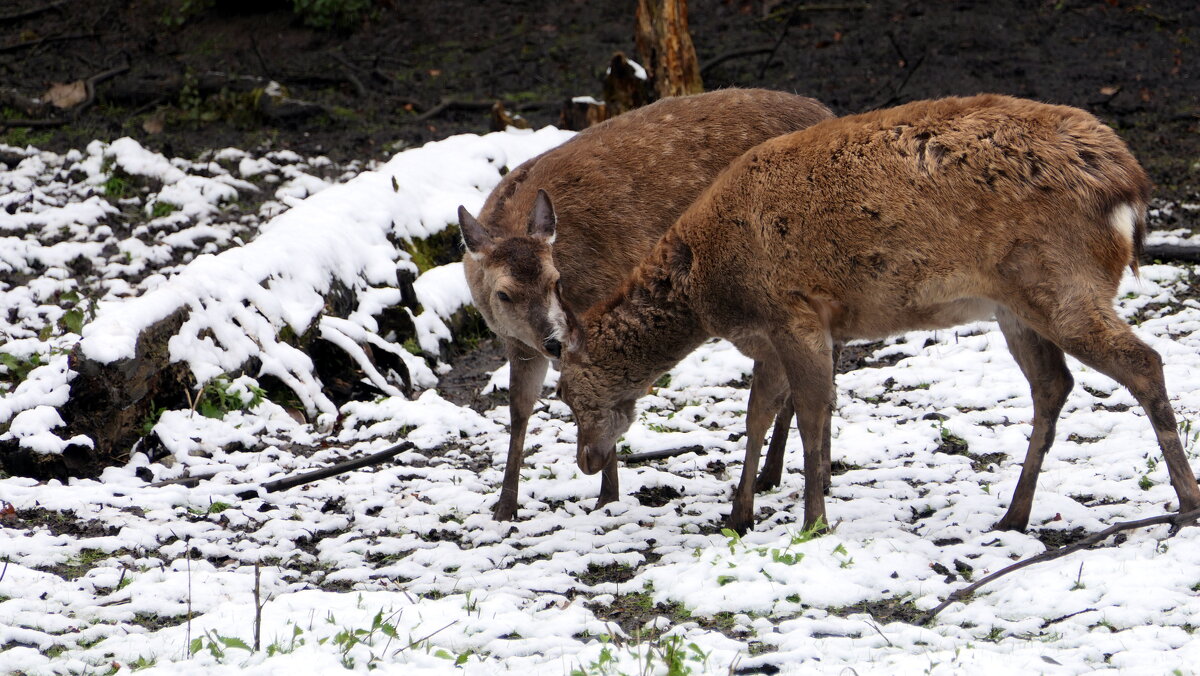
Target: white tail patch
1122	220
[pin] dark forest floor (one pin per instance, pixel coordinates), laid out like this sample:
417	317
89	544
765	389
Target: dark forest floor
194	78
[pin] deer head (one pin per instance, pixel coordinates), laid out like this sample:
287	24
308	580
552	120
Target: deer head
603	408
515	281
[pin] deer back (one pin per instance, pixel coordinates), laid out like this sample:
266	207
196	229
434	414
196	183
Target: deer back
912	217
615	189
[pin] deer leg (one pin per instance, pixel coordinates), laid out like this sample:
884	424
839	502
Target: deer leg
1094	334
826	434
767	389
527	371
610	490
809	368
772	473
1050	382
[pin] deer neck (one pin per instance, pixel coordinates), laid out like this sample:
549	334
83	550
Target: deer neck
645	329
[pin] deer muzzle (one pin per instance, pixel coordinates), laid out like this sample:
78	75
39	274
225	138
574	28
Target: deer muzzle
592	460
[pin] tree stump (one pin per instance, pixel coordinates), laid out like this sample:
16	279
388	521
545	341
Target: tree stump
500	119
666	48
581	112
626	86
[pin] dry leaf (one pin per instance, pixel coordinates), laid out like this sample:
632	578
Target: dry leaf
1109	91
66	95
153	125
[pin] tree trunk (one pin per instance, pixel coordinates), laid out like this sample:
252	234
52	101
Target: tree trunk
666	47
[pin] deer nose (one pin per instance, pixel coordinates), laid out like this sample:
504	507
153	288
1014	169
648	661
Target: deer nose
553	346
584	458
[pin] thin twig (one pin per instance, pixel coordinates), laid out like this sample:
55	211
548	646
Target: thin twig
257	608
349	70
895	97
33	124
817	8
425	638
727	56
443	105
187	646
42	41
1176	520
25	14
448	104
91	83
261	61
874	625
787	26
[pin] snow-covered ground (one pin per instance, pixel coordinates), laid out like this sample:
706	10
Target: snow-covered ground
399	568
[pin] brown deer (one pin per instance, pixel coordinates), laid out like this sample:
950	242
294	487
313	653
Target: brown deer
922	216
616	188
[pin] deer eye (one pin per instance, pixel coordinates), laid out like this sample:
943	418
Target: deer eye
503	297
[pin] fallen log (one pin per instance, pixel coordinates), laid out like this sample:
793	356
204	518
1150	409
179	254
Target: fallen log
648	456
1187	253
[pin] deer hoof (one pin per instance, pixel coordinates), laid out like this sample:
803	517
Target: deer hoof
1011	524
504	511
602	501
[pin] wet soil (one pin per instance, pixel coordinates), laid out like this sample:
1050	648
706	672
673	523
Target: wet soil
196	68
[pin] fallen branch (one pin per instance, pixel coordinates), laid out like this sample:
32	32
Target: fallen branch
1176	520
817	8
43	41
1172	252
333	470
185	481
728	56
91	83
25	14
787	26
348	69
659	455
33	124
292	481
451	104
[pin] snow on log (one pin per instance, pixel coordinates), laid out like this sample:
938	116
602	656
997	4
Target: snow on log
324	291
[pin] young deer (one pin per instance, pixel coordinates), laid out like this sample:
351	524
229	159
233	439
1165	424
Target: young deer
617	187
922	216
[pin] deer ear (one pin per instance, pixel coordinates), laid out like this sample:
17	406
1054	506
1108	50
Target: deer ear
542	219
476	239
